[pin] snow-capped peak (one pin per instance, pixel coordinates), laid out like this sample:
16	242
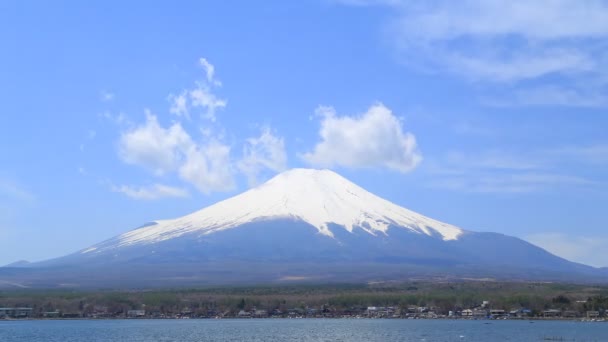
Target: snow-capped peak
318	197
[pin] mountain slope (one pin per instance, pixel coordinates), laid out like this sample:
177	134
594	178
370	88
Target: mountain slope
19	263
315	197
305	225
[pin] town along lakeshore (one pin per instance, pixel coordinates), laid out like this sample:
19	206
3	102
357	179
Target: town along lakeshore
411	300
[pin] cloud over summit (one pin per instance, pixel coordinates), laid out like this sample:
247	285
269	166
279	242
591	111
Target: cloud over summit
373	139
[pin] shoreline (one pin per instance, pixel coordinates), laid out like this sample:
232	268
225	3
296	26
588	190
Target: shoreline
531	319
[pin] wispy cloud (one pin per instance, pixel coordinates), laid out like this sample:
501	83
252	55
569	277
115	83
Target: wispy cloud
510	172
119	118
373	139
555	95
468	128
15	198
106	96
509	183
14	191
202	96
209	71
590	154
368	2
266	152
208	167
495	160
505	40
152	192
179	104
508	43
583	249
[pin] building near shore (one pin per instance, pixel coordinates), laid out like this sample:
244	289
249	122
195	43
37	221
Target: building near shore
15	312
136	313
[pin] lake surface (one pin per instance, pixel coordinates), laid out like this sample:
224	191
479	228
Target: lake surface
299	330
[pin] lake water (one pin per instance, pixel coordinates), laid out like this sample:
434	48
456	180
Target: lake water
299	330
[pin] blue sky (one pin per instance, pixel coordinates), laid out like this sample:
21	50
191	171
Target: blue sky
488	115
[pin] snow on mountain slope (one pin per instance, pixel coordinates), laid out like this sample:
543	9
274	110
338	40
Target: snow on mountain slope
317	197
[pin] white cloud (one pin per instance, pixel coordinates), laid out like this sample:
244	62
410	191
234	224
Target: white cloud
373	139
208	167
155	191
205	164
203	97
154	147
266	152
583	249
199	157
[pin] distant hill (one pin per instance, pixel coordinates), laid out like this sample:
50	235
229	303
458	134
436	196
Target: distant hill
20	263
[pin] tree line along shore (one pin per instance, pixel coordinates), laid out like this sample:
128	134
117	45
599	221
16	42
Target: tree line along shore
472	300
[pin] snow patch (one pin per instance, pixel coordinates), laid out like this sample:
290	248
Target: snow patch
317	197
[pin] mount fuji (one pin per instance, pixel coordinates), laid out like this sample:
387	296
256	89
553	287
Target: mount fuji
303	225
